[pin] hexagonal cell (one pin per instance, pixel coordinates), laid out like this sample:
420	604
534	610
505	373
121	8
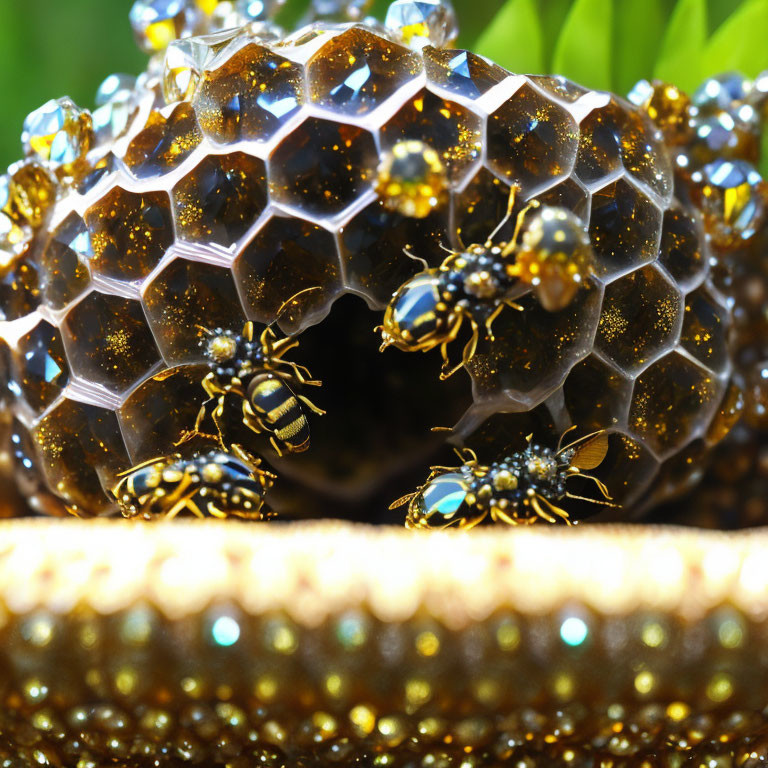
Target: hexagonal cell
230	108
82	452
158	411
323	166
373	243
288	255
19	289
644	155
480	207
560	87
64	263
640	318
462	72
451	130
625	228
130	232
613	137
567	194
356	71
164	143
220	199
600	141
111	343
41	365
596	395
683	250
531	139
671	401
534	349
186	296
705	330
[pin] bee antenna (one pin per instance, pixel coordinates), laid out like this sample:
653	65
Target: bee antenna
424	263
290	301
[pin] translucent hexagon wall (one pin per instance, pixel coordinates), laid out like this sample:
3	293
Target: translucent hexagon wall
218	210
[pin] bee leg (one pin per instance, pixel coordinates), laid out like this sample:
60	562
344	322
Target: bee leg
217	416
467	525
490	321
601	486
311	405
176	509
275	445
539	502
518	227
511	199
499	515
214	511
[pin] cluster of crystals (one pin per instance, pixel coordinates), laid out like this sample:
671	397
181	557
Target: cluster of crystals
224	689
717	137
263	177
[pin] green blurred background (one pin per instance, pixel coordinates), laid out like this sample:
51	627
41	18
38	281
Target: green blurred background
50	48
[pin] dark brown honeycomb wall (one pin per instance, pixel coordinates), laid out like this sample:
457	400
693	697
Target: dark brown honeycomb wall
219	210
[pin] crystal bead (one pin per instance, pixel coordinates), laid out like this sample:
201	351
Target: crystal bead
725	135
723	92
111	121
59	132
14	236
30	193
157	23
667	106
185	61
411	179
113	86
731	195
423	22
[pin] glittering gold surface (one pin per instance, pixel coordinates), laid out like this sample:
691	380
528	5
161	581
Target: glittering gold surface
326	644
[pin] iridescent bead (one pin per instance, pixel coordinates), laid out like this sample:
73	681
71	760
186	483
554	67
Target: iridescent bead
423	22
444	496
157	23
411	179
113	86
667	106
731	195
731	135
59	133
724	92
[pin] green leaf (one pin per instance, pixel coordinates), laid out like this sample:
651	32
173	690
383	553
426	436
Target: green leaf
553	14
739	44
583	51
513	39
639	26
680	59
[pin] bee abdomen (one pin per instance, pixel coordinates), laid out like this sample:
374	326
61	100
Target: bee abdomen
279	407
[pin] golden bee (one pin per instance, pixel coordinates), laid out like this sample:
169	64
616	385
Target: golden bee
519	489
549	253
215	484
254	372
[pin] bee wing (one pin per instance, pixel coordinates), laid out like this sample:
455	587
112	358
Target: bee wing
591	453
402	501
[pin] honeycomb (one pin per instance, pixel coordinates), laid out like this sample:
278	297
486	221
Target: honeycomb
217	210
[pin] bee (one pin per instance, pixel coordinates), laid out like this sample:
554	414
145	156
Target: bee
549	253
520	489
255	373
215	483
